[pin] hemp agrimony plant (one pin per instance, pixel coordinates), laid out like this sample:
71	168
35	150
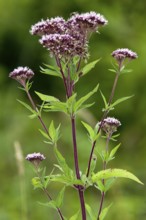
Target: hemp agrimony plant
67	42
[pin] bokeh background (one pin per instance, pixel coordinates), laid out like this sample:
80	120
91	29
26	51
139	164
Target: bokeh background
126	28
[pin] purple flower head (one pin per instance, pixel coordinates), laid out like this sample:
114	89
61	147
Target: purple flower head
21	74
87	22
62	45
49	26
109	125
123	53
35	158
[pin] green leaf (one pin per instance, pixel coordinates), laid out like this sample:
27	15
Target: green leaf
60	197
61	160
68	180
104	212
51	70
44	134
47	98
88	67
36	183
54	132
50	204
56	107
90	212
35	113
114	173
120	100
89	129
78	104
112	70
93	163
104	100
75	217
113	151
70	104
26	106
108	184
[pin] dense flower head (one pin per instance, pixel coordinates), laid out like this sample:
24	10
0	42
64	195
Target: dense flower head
109	125
49	26
35	158
62	45
68	38
89	21
21	74
123	53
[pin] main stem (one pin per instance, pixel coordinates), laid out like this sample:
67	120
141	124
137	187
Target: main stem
80	190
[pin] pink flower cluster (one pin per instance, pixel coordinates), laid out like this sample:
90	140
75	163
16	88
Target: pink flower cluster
71	36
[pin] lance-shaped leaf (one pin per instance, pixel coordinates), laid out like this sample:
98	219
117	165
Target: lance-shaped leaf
61	160
75	216
79	103
34	113
47	98
114	173
104	212
90	212
51	70
119	101
86	69
60	197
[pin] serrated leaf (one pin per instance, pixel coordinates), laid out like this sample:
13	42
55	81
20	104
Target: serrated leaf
75	217
111	173
46	98
60	197
88	67
79	103
104	212
90	212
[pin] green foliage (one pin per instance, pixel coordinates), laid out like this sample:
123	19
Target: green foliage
108	156
34	113
110	107
114	173
53	134
90	212
88	67
92	133
104	212
71	107
51	70
75	216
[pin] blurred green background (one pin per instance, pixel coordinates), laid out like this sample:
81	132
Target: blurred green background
126	28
